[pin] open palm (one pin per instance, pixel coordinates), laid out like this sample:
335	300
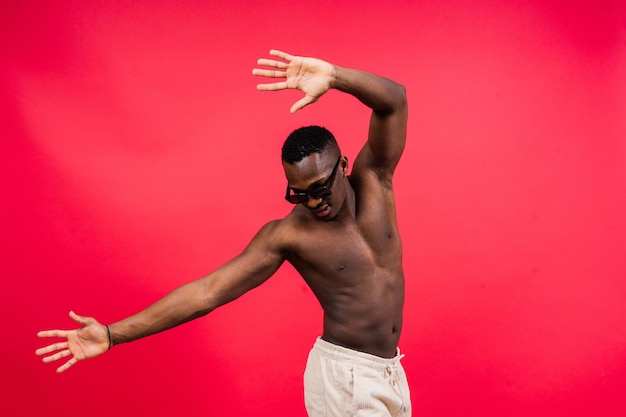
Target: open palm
86	342
312	76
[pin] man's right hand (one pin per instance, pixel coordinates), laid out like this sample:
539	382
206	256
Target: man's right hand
89	341
312	76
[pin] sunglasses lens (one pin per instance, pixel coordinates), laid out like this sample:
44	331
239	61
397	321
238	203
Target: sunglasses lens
300	198
297	198
322	193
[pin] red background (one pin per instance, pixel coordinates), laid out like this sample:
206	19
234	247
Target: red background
138	155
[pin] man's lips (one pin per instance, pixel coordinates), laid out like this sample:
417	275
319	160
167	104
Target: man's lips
322	211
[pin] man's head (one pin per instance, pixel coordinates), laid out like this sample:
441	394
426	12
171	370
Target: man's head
313	165
305	141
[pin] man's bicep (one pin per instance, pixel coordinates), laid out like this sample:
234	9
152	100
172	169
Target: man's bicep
385	144
255	265
387	137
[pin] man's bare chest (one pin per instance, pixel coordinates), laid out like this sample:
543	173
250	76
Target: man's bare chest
348	248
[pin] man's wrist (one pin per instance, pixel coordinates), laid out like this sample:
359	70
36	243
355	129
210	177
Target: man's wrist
109	337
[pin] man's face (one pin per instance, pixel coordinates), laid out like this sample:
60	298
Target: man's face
312	182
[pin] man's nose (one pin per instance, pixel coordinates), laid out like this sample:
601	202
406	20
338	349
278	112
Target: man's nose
313	202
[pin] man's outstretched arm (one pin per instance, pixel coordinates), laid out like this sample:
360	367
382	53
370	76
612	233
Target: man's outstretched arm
260	259
386	98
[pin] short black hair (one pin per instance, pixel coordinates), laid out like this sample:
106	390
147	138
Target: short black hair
305	141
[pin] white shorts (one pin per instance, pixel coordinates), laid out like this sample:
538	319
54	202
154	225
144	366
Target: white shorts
343	382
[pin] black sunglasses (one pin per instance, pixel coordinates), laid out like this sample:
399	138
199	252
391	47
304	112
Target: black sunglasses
321	191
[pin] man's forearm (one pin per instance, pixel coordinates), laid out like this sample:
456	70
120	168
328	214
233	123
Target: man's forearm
378	93
181	305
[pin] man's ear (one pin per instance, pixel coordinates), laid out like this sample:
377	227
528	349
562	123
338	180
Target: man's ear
344	165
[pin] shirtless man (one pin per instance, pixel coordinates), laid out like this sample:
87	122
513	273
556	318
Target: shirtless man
341	236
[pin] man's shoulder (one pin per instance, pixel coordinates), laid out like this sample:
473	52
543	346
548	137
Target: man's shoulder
294	221
286	228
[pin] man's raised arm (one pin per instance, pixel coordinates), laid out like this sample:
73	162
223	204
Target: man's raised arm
386	98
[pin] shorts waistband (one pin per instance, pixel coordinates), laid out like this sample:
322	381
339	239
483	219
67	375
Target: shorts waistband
342	353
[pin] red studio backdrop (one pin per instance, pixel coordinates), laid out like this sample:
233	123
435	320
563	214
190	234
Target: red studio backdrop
138	155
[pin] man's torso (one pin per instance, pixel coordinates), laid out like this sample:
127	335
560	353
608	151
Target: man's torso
354	267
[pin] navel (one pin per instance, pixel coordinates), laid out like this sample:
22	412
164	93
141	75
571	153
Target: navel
341	267
389	235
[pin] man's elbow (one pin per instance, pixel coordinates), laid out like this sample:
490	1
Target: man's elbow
396	101
401	99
